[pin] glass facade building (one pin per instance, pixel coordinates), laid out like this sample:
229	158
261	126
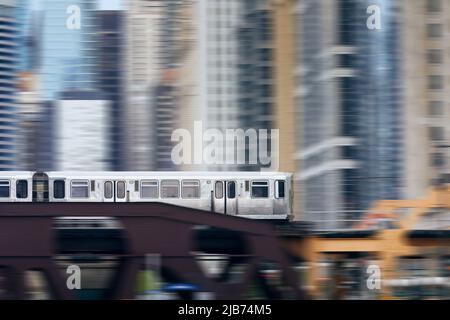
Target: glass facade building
67	47
350	106
9	61
255	70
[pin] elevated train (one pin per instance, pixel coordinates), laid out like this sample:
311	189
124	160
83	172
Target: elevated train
257	195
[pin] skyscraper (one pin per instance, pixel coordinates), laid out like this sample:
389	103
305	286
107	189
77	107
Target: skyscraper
110	76
30	119
255	70
218	44
142	65
166	92
426	64
9	61
68	46
349	99
81	132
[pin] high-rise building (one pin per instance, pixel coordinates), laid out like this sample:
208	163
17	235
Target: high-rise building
285	117
23	15
110	75
218	60
166	108
426	64
349	100
30	119
9	61
81	132
189	109
142	65
166	92
255	72
67	44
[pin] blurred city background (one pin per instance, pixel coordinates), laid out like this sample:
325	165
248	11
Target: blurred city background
358	89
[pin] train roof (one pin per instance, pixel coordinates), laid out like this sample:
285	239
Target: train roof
16	174
149	174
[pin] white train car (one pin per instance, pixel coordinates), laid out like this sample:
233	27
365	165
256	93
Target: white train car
16	186
259	195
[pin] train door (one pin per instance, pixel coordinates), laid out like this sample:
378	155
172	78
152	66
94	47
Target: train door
280	204
120	189
40	187
219	197
225	197
231	194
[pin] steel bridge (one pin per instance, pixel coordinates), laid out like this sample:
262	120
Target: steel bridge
30	241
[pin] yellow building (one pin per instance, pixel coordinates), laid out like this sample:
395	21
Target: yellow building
407	241
286	118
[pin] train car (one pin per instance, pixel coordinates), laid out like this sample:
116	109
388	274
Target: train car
259	195
16	186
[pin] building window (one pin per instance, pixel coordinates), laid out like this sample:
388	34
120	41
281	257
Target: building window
149	189
190	189
4	189
434	6
59	189
170	189
436	133
437	160
435	82
260	189
108	192
22	189
435	108
434	30
435	56
79	189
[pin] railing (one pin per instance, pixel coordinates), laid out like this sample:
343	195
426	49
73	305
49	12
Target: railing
438	223
338	220
370	221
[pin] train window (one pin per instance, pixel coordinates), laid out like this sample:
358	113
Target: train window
4	188
149	189
279	188
190	189
59	189
247	186
170	189
92	185
79	189
108	191
260	189
120	190
22	189
219	189
231	191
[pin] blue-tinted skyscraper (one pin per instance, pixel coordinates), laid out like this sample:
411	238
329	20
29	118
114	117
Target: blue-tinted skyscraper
350	106
8	67
67	46
110	75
